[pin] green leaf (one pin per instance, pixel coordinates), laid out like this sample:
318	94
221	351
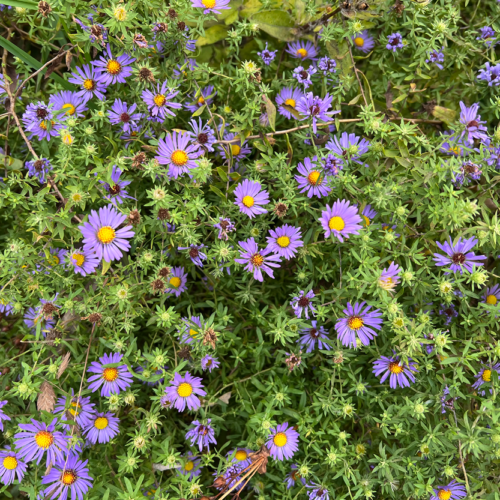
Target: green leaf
31	61
24	4
200	110
213	35
444	114
271	111
217	191
223	175
292	111
105	266
277	23
235	176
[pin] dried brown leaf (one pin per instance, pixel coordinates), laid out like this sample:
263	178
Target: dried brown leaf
225	398
64	364
69	58
47	398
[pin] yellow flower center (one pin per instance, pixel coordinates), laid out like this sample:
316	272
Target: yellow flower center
290	102
313	178
455	150
101	423
257	260
89	84
396	368
280	439
367	220
74	412
113	67
355	322
283	241
486	376
159	99
10	463
248	201
120	14
235	149
193	333
71	109
201	100
44	439
241	455
302	53
179	157
444	494
359	41
175	281
209	4
68	477
80	259
185	390
54	260
336	223
106	234
43	124
189	466
491	299
110	374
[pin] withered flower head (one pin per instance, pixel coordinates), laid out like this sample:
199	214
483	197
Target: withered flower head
398	7
172	14
145	75
293	361
280	209
95	318
38	165
134	217
181	25
185	352
163	214
51	336
48	310
44	8
139	159
164	272
158	285
210	337
220	483
140	41
338	357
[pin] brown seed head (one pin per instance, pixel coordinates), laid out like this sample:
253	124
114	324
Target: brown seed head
134	217
164	272
44	8
146	75
181	25
280	209
139	159
185	353
220	483
48	310
158	285
163	214
95	318
210	337
172	14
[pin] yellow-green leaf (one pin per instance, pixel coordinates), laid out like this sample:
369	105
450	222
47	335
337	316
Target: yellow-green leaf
213	35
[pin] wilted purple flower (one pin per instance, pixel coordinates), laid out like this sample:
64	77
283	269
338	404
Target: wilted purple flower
249	198
211	6
184	391
302	50
289	97
112	69
191	467
70	101
256	260
452	491
475	128
177	281
468	171
11	467
304	75
39	121
400	374
293	476
285	241
312	336
176	152
39	168
202	434
195	255
158	102
3	416
303	304
446	403
458	257
390	277
312	180
121	114
238	151
363	41
341	220
448	311
202	99
494	158
394	42
267	56
102	428
203	135
90	86
327	65
349	147
490	74
436	57
112	379
487	35
332	165
209	362
264	120
224	226
283	442
358	323
316	108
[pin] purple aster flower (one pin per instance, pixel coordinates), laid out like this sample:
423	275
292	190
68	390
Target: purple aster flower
312	178
302	50
468	171
288	97
202	434
303	304
448	311
202	135
33	316
484	377
256	260
72	407
11	467
184	391
101	234
110	69
358	323
267	56
57	256
195	255
317	492
176	152
304	76
191	467
363	41
238	151
69	476
250	198
316	108
350	147
240	457
121	113
390	228
83	261
394	42
116	192
85	77
368	214
447	403
264	120
389	277
211	6
487	35
177	281
452	491
293	476
312	336
6	308
491	295
285	240
458	257
74	104
101	428
209	363
3	416
401	374
182	69
38	438
39	121
113	379
475	128
490	74
283	442
436	57
231	477
224	226
202	99
189	333
39	168
341	220
327	65
493	160
453	145
158	102
332	165
133	133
